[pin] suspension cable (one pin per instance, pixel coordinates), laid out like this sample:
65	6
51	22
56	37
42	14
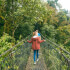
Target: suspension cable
56	45
23	40
59	52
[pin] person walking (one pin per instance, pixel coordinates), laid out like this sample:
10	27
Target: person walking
35	40
39	35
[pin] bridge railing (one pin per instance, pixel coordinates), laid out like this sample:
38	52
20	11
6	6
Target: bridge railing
56	58
17	56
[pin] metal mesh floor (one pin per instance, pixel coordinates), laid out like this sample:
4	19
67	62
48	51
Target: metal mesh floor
40	65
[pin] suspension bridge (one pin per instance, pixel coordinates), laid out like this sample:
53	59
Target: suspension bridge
20	57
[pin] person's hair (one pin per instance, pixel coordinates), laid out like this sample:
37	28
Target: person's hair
36	30
33	33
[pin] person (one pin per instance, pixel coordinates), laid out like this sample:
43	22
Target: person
35	40
39	35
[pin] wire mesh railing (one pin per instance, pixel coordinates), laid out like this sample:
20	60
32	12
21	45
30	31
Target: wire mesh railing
17	58
23	40
55	57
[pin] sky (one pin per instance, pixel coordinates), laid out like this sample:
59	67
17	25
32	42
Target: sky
64	3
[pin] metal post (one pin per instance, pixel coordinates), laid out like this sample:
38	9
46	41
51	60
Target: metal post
48	51
68	65
0	66
61	59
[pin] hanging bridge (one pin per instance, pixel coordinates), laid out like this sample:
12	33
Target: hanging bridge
20	57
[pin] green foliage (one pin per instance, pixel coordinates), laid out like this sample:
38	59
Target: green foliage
53	58
53	3
2	21
20	18
19	58
24	30
6	42
49	30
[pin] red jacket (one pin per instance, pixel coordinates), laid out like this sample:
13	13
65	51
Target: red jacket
36	43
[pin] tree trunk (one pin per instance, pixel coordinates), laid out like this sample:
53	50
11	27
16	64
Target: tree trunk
14	31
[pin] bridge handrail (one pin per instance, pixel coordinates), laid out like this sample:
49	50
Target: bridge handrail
56	45
59	53
23	40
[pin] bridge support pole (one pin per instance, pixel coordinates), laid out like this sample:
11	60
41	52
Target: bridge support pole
0	66
61	58
68	65
48	50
